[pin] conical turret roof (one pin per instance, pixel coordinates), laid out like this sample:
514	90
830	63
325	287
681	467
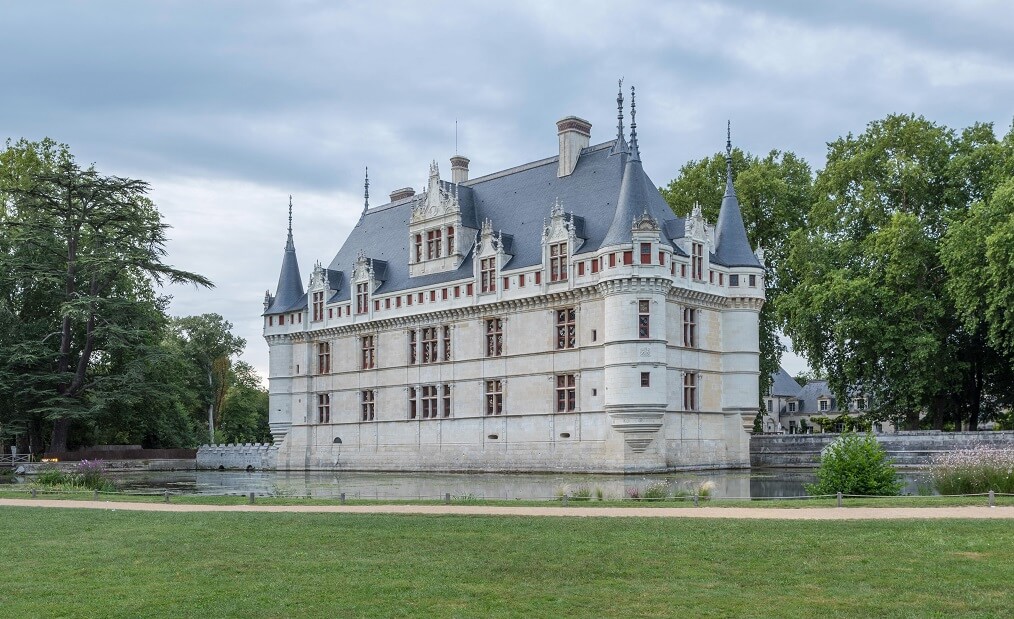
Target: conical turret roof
732	247
290	284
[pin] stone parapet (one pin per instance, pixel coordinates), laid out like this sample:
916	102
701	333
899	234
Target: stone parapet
908	449
248	456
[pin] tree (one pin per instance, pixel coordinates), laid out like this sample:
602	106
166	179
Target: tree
81	253
869	301
244	416
775	193
207	341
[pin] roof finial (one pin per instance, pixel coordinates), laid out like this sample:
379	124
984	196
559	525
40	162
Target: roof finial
288	242
634	151
366	191
728	139
619	111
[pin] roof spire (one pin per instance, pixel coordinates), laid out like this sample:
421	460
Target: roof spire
289	244
728	158
621	143
366	191
634	151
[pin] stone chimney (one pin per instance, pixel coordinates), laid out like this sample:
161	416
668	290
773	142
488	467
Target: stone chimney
401	194
575	134
459	169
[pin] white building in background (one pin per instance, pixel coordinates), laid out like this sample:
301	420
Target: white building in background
555	316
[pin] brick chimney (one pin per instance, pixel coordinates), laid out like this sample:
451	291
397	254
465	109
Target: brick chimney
459	169
575	134
401	194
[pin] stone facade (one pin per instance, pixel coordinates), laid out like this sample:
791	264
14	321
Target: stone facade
499	339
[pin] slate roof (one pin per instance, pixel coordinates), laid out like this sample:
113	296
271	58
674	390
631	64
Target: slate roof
516	201
811	392
783	385
289	293
732	248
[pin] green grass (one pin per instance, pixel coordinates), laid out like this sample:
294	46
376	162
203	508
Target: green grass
73	563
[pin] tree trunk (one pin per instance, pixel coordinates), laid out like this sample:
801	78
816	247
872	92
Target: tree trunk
58	439
211	411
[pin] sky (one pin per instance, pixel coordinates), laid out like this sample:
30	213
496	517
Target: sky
227	108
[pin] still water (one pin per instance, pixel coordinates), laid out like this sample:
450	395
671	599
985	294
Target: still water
725	484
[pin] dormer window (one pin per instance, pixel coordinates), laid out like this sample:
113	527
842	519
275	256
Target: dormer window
318	306
861	404
433	244
646	253
450	240
558	262
792	407
487	270
418	248
362	298
824	405
697	260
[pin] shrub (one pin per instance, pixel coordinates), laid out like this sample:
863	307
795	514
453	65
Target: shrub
52	476
657	491
598	493
633	493
583	493
855	464
91	474
974	470
705	489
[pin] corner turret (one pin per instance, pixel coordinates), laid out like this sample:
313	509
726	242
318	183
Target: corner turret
732	248
290	284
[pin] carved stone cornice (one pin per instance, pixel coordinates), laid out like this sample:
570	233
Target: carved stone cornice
750	303
698	298
636	284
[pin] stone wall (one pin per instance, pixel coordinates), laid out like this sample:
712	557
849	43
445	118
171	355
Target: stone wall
259	456
909	449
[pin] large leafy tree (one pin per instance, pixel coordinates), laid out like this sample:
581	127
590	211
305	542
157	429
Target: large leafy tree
775	192
869	299
81	256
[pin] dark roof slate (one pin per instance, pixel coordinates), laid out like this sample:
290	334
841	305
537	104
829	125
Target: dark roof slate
783	385
732	247
289	290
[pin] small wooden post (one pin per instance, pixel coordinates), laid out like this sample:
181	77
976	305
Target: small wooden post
447	498
566	495
839	499
251	498
695	499
341	498
34	492
95	495
992	499
166	496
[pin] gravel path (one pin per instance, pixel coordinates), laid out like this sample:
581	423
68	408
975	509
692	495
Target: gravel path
803	513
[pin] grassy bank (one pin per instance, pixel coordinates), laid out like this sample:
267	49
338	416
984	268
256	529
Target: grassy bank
110	563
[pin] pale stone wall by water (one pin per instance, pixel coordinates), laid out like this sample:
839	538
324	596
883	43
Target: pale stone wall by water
907	448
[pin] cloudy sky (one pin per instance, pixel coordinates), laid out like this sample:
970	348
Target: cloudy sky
229	107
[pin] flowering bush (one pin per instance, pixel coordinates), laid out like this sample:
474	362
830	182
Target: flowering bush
977	469
91	474
855	464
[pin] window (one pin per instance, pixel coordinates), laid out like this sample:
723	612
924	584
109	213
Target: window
470	289
683	270
413	356
628	257
429	345
318	306
429	402
792	407
376	306
366	398
411	403
558	262
595	335
721	279
362	298
661	258
418	248
595	266
447	343
643	328
733	281
271	321
450	240
580	268
646	379
457	292
281	320
433	244
538	277
443	294
566	393
487	270
368	360
323	408
711	277
397	301
506	283
494	337
824	405
447	401
646	253
690	391
494	397
521	280
753	281
330	312
861	404
697	260
612	260
323	357
770	405
690	327
566	331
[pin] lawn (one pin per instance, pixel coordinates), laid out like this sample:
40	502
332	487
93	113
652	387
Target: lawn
83	563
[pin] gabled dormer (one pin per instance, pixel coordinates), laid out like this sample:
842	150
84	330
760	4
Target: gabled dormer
440	226
323	286
562	236
697	244
367	275
646	235
492	253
